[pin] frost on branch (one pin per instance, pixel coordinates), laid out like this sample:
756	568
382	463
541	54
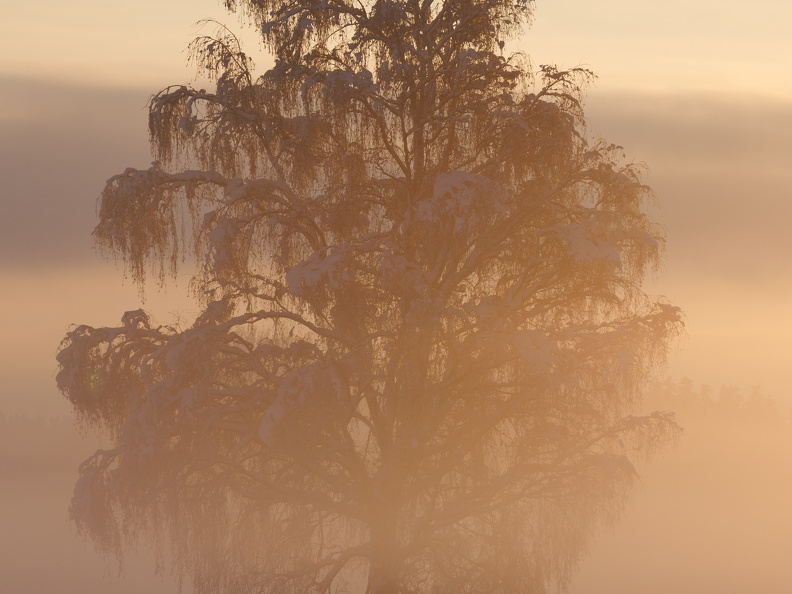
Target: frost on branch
424	333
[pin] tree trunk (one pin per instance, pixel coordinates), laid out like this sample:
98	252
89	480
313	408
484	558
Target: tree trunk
384	566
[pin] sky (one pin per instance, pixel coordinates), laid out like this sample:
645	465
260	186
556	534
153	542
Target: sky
701	91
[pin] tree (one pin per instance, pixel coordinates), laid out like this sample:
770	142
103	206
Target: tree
423	327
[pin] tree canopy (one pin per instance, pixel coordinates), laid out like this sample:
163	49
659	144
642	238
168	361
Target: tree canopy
423	331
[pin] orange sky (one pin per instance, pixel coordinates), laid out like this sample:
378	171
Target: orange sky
720	46
700	91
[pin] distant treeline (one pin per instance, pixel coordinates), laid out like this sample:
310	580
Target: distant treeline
48	443
685	397
728	403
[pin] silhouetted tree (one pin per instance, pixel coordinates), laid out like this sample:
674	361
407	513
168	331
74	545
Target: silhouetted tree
423	326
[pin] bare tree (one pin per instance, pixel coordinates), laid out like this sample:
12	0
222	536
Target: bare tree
423	328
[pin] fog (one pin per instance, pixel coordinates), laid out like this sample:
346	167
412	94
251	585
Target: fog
710	514
40	551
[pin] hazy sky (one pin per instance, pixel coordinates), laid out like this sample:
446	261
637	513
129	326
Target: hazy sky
699	90
676	45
